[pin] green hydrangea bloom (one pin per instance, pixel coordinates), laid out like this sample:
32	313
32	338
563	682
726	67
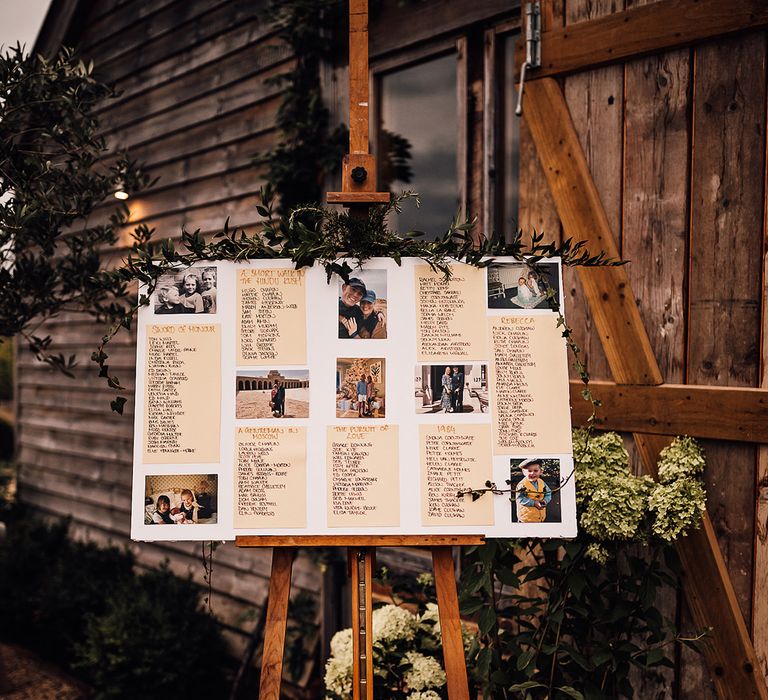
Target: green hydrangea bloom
677	507
684	458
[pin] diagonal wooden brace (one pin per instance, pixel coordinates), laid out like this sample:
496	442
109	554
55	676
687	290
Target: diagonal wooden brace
729	652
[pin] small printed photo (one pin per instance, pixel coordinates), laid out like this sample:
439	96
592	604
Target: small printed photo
536	490
180	499
451	389
360	387
363	305
277	393
191	290
516	286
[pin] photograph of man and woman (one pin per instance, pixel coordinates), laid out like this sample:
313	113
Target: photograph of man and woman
180	499
363	305
276	393
360	387
536	484
188	291
516	286
451	388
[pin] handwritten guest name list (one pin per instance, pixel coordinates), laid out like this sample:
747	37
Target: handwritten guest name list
270	477
528	372
449	323
363	476
454	458
271	317
182	395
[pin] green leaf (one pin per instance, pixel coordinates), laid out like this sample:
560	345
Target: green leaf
525	659
570	692
487	619
118	404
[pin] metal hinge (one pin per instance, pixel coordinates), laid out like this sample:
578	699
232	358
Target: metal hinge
532	48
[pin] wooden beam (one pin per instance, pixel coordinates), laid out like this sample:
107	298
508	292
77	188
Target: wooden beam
358	540
676	409
640	31
358	76
730	655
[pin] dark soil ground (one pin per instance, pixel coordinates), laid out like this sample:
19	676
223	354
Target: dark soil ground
24	676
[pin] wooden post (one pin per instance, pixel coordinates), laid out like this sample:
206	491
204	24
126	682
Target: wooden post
277	619
361	562
708	589
450	623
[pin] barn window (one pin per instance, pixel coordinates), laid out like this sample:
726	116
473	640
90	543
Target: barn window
417	143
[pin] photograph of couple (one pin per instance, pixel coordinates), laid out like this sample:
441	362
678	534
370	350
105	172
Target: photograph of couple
188	291
180	499
516	286
363	305
451	389
277	393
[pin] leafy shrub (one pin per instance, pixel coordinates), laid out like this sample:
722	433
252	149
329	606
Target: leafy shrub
153	641
82	606
48	582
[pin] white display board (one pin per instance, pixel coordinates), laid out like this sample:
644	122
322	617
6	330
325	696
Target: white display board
270	401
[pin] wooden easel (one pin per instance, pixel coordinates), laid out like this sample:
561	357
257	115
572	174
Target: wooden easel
359	193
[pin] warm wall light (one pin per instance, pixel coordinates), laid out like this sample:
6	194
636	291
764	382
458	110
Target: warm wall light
120	191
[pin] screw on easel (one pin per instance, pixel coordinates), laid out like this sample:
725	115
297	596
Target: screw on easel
359	175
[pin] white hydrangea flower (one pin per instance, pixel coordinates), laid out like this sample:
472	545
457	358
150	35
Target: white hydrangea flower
425	695
338	677
425	672
431	616
683	458
392	623
341	646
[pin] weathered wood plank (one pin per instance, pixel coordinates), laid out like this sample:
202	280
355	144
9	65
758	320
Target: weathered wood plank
725	288
595	101
426	20
677	409
643	30
760	577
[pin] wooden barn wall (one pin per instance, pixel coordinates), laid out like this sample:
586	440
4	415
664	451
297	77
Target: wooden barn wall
195	108
677	147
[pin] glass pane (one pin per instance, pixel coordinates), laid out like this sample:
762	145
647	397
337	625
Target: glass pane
508	170
418	142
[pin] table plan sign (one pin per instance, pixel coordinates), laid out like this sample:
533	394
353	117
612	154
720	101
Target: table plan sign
271	401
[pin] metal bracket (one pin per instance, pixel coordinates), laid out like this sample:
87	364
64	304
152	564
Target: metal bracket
532	48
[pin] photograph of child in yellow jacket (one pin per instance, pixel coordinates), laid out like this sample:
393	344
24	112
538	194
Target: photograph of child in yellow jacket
532	494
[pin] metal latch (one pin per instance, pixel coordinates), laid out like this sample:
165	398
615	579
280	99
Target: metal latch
532	48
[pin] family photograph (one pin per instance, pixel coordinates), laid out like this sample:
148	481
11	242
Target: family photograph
363	306
277	393
188	291
517	286
181	499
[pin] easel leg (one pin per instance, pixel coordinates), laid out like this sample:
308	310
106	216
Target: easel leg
277	619
361	565
450	623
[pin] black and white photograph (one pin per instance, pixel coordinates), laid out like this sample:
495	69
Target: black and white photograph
363	306
188	291
536	490
517	286
181	499
459	389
